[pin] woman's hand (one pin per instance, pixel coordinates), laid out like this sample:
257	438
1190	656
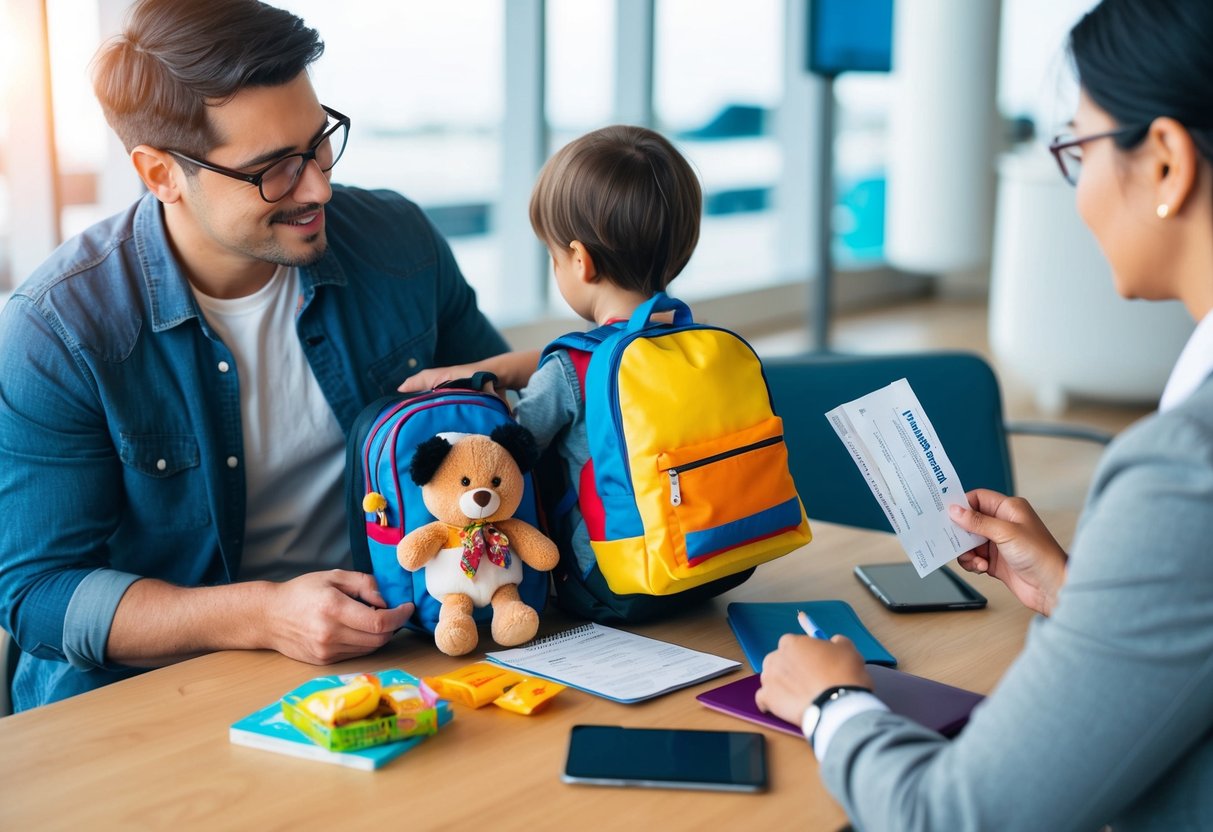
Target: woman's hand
513	371
1021	552
803	667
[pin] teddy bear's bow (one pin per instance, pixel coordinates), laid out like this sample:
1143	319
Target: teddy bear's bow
479	540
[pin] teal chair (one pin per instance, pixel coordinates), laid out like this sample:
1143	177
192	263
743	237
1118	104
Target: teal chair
958	390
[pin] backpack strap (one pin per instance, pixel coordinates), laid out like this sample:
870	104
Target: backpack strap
584	341
579	347
660	302
590	341
476	382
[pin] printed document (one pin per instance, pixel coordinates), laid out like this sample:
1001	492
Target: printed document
613	663
895	447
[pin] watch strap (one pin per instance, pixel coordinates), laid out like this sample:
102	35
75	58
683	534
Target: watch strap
827	696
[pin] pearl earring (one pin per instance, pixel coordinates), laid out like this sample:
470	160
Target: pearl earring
1163	211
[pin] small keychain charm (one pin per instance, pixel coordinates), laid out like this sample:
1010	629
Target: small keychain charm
374	502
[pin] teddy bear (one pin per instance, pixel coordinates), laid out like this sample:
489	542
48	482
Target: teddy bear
473	553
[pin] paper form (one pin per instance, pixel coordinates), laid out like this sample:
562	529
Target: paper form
896	449
613	663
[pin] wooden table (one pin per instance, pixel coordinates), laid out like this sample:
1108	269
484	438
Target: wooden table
153	752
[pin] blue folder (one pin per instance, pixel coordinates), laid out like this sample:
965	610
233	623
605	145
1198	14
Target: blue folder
758	627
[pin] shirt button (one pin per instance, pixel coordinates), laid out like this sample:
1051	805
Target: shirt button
224	366
161	464
412	363
232	462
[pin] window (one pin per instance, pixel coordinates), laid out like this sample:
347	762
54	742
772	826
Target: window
580	92
81	134
718	75
423	85
859	168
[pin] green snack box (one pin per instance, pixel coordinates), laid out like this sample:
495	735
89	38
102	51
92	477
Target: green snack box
382	726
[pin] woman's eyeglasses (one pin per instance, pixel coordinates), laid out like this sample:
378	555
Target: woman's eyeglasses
1067	150
279	177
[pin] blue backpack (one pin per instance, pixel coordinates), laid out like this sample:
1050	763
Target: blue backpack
378	456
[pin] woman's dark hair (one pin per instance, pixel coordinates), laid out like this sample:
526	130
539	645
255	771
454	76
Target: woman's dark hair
1142	59
176	58
629	197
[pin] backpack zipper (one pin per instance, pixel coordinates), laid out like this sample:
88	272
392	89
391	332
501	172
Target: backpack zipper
676	489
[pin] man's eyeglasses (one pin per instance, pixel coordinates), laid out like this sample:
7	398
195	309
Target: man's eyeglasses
1067	150
278	178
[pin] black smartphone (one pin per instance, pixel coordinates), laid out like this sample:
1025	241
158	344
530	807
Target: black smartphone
900	589
665	758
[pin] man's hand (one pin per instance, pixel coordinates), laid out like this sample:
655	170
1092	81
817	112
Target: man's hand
326	617
1021	552
803	667
513	371
427	380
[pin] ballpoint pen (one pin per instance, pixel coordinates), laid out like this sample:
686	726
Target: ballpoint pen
809	627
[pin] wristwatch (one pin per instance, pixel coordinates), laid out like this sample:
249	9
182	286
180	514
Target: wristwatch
812	714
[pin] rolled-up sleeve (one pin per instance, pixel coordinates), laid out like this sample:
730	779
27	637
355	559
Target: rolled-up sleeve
90	613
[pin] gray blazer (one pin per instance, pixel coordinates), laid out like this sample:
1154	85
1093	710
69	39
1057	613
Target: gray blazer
1107	714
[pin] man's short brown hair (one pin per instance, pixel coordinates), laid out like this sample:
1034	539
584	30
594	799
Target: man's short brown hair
177	57
629	197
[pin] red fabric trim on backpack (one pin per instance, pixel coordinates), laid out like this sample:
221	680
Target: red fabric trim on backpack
387	535
587	491
581	365
590	505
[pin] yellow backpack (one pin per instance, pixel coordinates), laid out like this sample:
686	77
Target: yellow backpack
690	481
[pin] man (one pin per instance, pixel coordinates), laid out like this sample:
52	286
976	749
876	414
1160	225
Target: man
176	382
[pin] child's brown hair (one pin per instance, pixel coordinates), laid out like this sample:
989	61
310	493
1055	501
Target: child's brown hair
629	197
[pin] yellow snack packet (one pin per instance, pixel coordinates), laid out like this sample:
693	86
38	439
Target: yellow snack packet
529	696
475	685
353	701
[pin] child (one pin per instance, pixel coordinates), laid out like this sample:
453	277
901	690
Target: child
619	212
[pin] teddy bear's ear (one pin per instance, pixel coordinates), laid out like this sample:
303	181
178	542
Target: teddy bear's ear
427	458
519	442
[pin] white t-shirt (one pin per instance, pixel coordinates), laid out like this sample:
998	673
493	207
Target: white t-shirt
294	450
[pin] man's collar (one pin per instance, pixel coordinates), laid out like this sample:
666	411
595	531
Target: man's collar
325	271
168	291
171	301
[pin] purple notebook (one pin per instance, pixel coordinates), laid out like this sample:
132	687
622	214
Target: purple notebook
941	707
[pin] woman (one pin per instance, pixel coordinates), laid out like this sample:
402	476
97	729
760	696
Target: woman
1107	715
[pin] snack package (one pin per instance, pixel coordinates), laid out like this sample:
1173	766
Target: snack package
413	706
346	703
345	713
529	696
474	685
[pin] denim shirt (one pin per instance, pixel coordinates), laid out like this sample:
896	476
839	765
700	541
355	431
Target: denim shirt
120	431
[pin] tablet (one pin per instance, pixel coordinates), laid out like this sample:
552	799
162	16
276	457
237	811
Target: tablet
899	588
666	758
